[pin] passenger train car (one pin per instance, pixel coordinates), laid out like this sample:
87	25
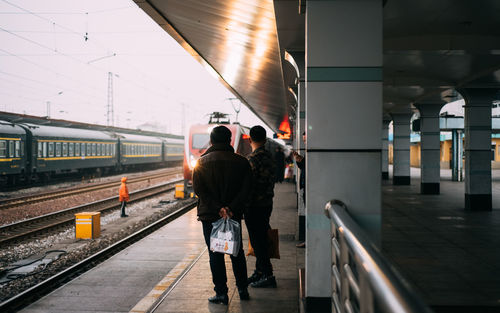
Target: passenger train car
12	150
31	151
59	149
198	140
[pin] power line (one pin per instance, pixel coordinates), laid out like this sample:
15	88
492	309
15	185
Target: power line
58	87
69	13
51	70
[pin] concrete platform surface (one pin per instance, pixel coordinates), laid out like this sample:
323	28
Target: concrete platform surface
450	255
191	294
134	279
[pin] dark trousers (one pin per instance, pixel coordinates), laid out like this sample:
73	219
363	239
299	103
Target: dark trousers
218	265
258	225
124	204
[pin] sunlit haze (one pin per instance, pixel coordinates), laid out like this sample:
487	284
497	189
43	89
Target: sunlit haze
61	53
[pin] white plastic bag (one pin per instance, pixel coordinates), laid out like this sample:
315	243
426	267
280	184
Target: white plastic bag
225	237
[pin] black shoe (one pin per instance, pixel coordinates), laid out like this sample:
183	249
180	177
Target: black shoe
244	294
256	276
124	215
219	299
265	282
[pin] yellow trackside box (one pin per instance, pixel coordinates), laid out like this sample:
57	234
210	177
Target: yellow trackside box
87	225
179	191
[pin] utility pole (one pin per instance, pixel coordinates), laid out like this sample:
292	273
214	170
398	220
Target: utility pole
110	111
48	109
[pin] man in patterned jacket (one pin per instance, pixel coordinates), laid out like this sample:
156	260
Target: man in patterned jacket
260	207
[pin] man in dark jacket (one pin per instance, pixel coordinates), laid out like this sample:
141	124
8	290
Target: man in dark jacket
260	208
222	180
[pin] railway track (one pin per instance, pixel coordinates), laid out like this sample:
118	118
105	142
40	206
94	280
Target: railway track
25	200
18	231
32	294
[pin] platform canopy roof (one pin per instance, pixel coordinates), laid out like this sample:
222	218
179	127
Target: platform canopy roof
257	48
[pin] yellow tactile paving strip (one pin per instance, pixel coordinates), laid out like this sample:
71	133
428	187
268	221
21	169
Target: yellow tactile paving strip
154	296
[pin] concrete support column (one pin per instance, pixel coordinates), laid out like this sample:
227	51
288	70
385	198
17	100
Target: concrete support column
301	120
477	126
456	157
343	110
430	169
385	148
401	148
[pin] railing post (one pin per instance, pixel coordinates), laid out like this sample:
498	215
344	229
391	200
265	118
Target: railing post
360	274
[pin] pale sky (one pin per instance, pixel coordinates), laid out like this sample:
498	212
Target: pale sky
61	51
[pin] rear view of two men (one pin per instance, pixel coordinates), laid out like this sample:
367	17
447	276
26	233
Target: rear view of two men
229	185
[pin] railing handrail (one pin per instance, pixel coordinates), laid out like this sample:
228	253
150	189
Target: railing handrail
392	291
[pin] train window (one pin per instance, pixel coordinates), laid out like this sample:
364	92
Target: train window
51	149
82	149
89	149
22	147
77	149
200	141
44	149
64	149
18	148
113	150
94	149
40	149
3	148
11	148
108	149
71	149
98	146
58	149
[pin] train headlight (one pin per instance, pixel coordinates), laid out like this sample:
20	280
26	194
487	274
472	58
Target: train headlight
193	162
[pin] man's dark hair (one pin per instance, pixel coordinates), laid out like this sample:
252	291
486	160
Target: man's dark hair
220	134
258	134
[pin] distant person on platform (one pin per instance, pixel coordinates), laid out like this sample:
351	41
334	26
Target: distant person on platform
124	196
301	164
222	180
279	158
260	207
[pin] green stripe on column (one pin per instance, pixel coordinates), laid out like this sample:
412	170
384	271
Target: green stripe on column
344	74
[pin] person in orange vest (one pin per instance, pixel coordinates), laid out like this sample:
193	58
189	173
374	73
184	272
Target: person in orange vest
124	197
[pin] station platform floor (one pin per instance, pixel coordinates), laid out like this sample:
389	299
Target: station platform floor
169	271
451	256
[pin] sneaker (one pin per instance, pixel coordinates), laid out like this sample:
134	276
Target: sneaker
224	299
256	276
265	282
244	294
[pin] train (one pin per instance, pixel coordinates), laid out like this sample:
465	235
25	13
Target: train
31	151
198	140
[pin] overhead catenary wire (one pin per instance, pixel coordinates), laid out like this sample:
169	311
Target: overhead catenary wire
70	56
52	71
55	86
158	91
85	36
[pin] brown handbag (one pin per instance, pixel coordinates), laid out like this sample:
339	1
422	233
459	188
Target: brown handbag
274	244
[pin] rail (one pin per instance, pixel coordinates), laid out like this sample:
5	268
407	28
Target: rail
362	280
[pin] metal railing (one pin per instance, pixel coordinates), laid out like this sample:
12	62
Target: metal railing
362	280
